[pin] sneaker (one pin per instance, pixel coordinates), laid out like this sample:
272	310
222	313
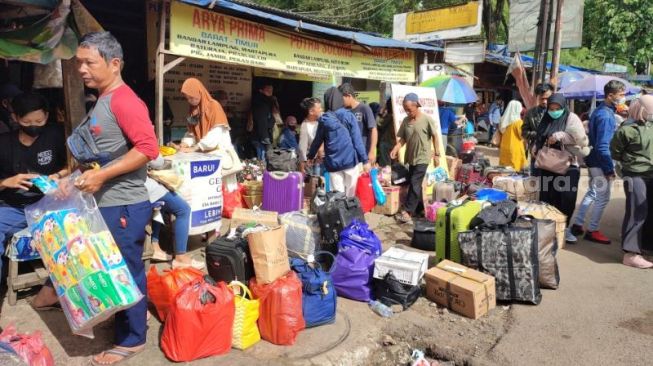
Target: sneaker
577	229
569	237
597	237
636	260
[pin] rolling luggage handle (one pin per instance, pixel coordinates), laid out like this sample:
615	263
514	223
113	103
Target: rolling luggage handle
279	175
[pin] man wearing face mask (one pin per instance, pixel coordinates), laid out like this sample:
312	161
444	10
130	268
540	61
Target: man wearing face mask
37	148
599	163
534	115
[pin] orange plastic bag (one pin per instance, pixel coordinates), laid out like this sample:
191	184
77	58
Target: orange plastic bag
231	200
280	315
29	347
162	288
200	322
365	192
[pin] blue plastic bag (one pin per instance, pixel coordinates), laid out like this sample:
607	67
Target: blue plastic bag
491	194
319	299
469	128
327	182
359	235
379	194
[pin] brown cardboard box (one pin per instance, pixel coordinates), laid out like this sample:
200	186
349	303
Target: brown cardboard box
391	206
244	216
461	289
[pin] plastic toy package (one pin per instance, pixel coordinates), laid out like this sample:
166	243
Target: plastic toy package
86	267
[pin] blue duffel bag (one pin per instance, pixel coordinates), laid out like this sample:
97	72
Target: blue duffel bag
319	298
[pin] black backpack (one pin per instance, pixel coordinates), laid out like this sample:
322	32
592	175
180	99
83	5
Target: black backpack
390	291
281	160
498	214
228	259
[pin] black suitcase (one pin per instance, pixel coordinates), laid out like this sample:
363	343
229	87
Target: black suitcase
423	235
228	259
467	157
334	215
391	292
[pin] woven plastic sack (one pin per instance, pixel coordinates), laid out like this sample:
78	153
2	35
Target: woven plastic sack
302	233
29	347
281	318
245	333
200	322
162	288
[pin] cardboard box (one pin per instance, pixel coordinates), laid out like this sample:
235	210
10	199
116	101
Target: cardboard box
391	206
245	216
461	289
407	267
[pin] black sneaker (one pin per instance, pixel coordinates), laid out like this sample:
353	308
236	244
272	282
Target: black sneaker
577	230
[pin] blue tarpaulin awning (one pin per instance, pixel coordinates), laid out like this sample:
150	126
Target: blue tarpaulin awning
302	24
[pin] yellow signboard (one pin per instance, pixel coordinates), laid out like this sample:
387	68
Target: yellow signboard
206	34
368	96
446	18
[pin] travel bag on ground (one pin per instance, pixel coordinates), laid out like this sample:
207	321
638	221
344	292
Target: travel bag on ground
280	315
391	292
283	191
302	233
447	191
334	215
497	171
245	332
229	259
541	210
450	221
431	211
423	235
510	254
470	173
281	160
495	215
547	244
519	187
319	299
200	322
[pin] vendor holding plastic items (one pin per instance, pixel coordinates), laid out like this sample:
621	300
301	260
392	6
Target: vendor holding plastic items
207	123
37	148
120	127
175	205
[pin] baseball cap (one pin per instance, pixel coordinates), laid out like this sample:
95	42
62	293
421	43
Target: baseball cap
412	97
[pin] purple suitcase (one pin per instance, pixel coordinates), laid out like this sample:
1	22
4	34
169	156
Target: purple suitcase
283	191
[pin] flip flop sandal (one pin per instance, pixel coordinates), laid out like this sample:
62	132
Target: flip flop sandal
404	219
161	257
124	353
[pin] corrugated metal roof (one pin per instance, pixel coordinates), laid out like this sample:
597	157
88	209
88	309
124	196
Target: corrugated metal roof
303	24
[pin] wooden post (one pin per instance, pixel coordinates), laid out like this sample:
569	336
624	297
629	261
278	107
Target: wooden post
545	39
557	43
538	46
160	59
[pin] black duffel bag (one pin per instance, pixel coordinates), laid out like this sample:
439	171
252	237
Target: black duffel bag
281	160
390	291
423	235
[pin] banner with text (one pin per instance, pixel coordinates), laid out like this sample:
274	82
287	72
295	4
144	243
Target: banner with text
206	34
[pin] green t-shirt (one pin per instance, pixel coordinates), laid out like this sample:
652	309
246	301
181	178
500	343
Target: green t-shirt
418	134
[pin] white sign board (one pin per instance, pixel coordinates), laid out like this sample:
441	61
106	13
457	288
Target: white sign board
202	189
464	53
427	71
399	30
429	103
524	16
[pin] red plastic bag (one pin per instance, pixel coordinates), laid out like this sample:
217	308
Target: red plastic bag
162	288
280	315
200	322
231	200
365	192
29	347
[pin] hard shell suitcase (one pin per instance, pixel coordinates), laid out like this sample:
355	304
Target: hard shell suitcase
450	221
510	254
423	235
228	259
470	173
302	234
446	191
283	191
334	215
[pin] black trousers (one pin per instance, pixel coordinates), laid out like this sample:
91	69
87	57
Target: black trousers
560	191
416	175
637	228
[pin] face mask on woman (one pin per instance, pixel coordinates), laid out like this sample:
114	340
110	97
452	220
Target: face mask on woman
193	120
556	114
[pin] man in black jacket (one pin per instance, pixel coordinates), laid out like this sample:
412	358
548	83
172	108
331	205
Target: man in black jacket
534	115
262	119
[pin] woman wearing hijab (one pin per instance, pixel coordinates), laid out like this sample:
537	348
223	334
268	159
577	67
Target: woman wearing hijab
206	119
511	149
561	129
632	147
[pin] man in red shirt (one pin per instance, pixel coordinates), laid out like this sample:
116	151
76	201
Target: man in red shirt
123	133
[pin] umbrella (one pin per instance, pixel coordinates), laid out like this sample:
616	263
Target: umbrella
568	77
452	89
592	87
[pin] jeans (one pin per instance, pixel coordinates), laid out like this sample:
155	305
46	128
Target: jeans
260	150
12	220
415	178
597	194
490	132
131	324
175	205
